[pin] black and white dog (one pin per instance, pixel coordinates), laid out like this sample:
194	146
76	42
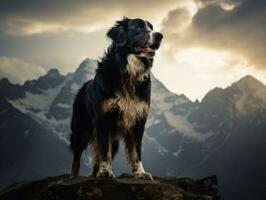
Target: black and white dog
115	104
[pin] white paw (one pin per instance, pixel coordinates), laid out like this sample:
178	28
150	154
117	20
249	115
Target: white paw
107	174
105	170
144	175
139	172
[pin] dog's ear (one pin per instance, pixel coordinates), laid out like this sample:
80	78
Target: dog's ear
117	33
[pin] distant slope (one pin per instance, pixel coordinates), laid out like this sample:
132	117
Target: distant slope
224	134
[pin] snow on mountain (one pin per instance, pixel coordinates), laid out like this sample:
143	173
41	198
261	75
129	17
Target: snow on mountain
36	103
163	99
250	95
51	105
183	126
48	100
181	137
249	83
37	99
85	71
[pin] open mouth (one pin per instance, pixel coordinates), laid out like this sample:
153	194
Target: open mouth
148	49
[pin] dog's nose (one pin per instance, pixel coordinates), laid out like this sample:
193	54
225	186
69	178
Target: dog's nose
158	36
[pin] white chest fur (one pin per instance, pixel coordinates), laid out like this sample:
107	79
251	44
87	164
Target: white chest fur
129	105
136	68
131	109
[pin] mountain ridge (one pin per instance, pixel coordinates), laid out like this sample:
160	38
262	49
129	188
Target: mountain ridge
247	80
181	137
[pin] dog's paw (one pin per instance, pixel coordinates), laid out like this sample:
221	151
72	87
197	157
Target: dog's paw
143	175
105	170
139	172
107	174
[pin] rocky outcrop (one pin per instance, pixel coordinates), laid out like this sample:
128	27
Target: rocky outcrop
124	187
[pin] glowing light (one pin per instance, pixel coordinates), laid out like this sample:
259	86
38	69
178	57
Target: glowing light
227	6
201	58
195	71
192	8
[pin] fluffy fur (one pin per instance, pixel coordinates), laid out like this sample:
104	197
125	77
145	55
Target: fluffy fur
115	104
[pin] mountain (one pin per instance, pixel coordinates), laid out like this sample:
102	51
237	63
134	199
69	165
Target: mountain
224	134
237	114
25	143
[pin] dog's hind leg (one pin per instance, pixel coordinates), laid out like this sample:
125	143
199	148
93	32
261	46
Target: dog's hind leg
115	148
79	142
76	163
95	169
96	166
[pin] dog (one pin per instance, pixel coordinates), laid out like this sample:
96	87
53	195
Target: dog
114	105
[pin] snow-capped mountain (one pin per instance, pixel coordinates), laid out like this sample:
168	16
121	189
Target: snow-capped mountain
181	137
28	149
236	152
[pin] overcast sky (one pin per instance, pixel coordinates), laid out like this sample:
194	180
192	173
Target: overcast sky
207	43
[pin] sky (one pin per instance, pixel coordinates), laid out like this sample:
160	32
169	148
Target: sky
207	43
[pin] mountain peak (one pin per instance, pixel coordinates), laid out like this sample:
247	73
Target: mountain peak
52	79
87	62
4	81
85	71
250	77
247	85
53	73
248	82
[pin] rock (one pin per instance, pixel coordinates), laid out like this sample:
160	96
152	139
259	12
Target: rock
125	187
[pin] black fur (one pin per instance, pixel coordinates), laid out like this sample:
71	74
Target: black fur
99	125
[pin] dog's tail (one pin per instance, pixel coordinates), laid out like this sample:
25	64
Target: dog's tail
81	125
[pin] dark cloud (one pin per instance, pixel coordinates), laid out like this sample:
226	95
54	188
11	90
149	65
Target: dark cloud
240	29
23	17
54	30
176	21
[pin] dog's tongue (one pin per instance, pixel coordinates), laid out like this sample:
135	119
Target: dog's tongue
148	49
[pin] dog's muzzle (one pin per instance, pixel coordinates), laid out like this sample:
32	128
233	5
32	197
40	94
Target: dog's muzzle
152	46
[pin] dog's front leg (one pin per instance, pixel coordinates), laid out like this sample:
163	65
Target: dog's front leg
104	152
133	142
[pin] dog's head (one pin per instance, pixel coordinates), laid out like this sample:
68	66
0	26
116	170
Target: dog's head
135	36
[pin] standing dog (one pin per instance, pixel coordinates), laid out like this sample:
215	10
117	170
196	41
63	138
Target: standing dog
115	104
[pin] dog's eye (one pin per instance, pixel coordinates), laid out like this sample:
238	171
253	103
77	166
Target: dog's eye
139	28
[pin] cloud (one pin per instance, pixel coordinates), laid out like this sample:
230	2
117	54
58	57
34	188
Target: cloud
210	42
235	26
37	16
195	71
176	21
18	71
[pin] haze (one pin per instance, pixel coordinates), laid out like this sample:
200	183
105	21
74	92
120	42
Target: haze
207	43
